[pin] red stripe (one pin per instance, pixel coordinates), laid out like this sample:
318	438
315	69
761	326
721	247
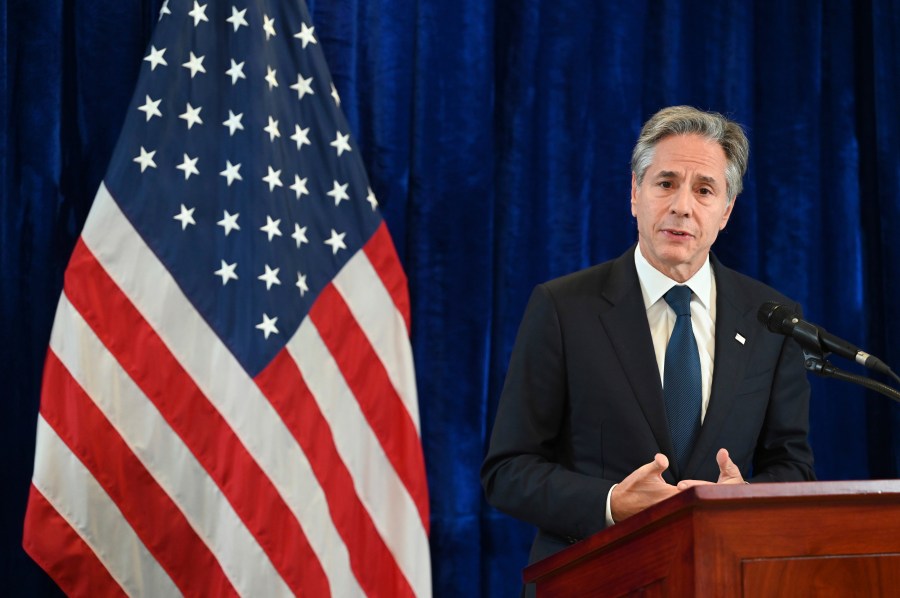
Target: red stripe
143	503
369	382
62	553
381	253
160	376
372	562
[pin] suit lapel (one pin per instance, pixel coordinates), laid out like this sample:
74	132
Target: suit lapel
734	321
625	322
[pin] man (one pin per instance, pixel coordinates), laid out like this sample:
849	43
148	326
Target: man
601	415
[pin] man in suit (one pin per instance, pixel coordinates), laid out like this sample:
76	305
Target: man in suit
591	428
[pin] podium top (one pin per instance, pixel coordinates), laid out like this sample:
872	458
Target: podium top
719	497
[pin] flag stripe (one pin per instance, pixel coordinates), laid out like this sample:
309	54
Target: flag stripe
373	564
372	388
379	487
100	448
149	286
74	493
383	257
241	459
362	288
163	453
63	554
194	419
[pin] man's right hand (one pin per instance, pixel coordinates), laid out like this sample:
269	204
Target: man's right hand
644	487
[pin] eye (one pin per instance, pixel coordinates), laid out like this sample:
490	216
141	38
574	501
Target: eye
665	184
705	191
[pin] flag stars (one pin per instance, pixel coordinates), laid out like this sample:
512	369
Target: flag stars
271	228
270	77
195	65
192	115
299	235
229	223
231	172
273	179
268	326
146	159
236	71
227	272
371	199
270	277
198	13
301	136
301	284
164	10
189	166
339	192
306	35
186	217
268	27
299	186
303	86
234	122
335	96
237	18
341	143
272	129
150	107
336	241
155	58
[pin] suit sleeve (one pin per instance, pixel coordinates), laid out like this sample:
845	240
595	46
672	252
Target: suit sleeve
783	453
523	474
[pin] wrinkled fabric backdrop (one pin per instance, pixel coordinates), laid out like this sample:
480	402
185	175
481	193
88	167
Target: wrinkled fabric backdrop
497	137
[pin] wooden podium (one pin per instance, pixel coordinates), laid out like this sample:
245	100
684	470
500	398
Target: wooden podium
792	539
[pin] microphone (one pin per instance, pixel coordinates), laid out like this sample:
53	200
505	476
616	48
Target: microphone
780	319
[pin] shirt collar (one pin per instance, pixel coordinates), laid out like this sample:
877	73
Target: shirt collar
655	284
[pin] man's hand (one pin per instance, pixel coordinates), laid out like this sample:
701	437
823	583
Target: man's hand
728	473
644	487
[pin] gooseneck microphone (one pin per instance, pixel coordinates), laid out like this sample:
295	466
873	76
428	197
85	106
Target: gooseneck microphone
780	319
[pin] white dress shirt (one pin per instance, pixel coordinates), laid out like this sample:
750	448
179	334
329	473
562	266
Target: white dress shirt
661	318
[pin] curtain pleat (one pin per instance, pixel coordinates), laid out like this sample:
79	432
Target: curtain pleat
497	138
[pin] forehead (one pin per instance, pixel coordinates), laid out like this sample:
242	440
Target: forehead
688	155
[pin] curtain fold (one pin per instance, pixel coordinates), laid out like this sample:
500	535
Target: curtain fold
497	138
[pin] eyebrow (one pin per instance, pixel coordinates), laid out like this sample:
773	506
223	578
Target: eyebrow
670	174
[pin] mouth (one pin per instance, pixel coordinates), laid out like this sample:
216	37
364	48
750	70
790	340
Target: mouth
673	232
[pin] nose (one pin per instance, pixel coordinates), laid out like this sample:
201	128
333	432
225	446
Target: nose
682	201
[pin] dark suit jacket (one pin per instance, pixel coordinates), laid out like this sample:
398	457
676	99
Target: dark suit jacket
582	406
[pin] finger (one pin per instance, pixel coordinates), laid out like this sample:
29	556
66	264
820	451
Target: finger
685	484
723	459
727	468
661	462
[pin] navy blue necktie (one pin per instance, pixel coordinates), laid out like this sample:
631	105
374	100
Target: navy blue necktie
681	378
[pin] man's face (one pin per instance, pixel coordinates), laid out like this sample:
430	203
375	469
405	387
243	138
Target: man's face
681	205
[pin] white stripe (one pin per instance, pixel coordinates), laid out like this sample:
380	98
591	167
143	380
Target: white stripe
377	484
163	453
369	301
156	295
68	485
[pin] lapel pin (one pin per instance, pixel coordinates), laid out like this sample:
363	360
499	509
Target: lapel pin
739	338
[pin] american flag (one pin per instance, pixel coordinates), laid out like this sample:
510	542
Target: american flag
229	401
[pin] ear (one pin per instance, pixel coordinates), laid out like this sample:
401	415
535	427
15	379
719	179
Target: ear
727	214
634	187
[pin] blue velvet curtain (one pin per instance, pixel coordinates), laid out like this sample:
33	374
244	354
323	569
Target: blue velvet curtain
497	137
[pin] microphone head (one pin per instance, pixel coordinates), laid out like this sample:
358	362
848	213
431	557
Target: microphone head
777	317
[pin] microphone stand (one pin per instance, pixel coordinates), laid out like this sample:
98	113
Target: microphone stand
814	359
817	364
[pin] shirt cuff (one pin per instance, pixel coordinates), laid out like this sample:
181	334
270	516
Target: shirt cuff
609	517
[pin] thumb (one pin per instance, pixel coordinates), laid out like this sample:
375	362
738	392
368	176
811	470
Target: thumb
660	463
727	468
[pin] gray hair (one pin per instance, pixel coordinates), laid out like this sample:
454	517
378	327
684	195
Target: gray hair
685	120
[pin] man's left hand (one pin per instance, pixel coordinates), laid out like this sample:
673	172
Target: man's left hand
728	473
